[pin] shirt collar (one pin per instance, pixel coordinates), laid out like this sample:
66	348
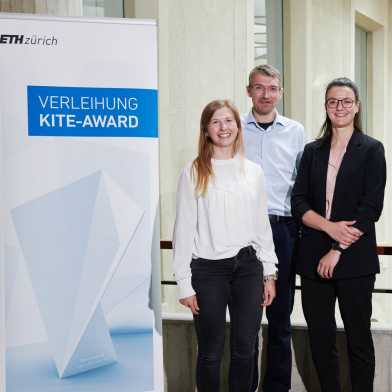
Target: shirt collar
279	119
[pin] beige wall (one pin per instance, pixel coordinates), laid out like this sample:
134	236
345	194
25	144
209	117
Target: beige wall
388	134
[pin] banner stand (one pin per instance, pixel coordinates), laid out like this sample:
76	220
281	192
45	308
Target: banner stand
80	205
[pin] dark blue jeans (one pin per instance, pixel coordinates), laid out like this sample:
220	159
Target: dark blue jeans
278	370
236	283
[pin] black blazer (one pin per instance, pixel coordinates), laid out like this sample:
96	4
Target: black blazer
358	195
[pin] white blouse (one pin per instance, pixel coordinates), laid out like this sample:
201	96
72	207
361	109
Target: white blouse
231	215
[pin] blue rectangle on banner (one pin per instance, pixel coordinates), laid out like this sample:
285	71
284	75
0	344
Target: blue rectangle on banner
92	112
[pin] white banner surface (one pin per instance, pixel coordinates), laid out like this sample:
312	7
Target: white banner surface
80	190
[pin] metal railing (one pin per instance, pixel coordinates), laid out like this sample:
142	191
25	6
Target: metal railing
381	250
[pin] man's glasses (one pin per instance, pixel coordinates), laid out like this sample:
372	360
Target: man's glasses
260	89
333	103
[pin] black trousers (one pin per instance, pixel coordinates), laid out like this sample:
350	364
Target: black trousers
236	283
278	369
355	302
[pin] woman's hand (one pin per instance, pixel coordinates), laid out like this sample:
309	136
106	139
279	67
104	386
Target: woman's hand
191	303
343	232
328	263
269	292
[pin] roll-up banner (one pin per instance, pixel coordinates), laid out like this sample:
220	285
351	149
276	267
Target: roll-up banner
79	205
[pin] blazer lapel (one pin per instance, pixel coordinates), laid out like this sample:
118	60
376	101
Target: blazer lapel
322	167
347	161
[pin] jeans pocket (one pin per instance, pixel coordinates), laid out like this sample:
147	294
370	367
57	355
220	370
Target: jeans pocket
200	267
197	264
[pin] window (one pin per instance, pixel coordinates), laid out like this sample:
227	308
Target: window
108	8
361	71
268	35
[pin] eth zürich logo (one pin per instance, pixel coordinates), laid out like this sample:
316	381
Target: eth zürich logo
32	39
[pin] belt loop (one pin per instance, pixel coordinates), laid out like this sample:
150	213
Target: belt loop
235	262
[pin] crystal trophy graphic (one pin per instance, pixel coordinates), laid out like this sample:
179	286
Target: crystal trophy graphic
73	239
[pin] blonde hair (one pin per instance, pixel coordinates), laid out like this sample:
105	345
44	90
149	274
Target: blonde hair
202	166
267	70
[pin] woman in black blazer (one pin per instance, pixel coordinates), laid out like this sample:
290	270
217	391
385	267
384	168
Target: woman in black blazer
338	195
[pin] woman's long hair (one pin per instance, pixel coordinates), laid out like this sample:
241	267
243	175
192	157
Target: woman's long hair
202	165
326	128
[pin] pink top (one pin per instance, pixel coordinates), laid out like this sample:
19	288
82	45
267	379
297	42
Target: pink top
334	163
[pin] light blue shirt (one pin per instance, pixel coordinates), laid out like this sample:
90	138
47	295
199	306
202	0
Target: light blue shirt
277	150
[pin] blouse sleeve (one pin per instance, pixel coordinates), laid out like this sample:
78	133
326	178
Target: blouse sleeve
265	251
184	233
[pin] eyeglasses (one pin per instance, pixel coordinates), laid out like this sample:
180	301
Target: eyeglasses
260	89
333	103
